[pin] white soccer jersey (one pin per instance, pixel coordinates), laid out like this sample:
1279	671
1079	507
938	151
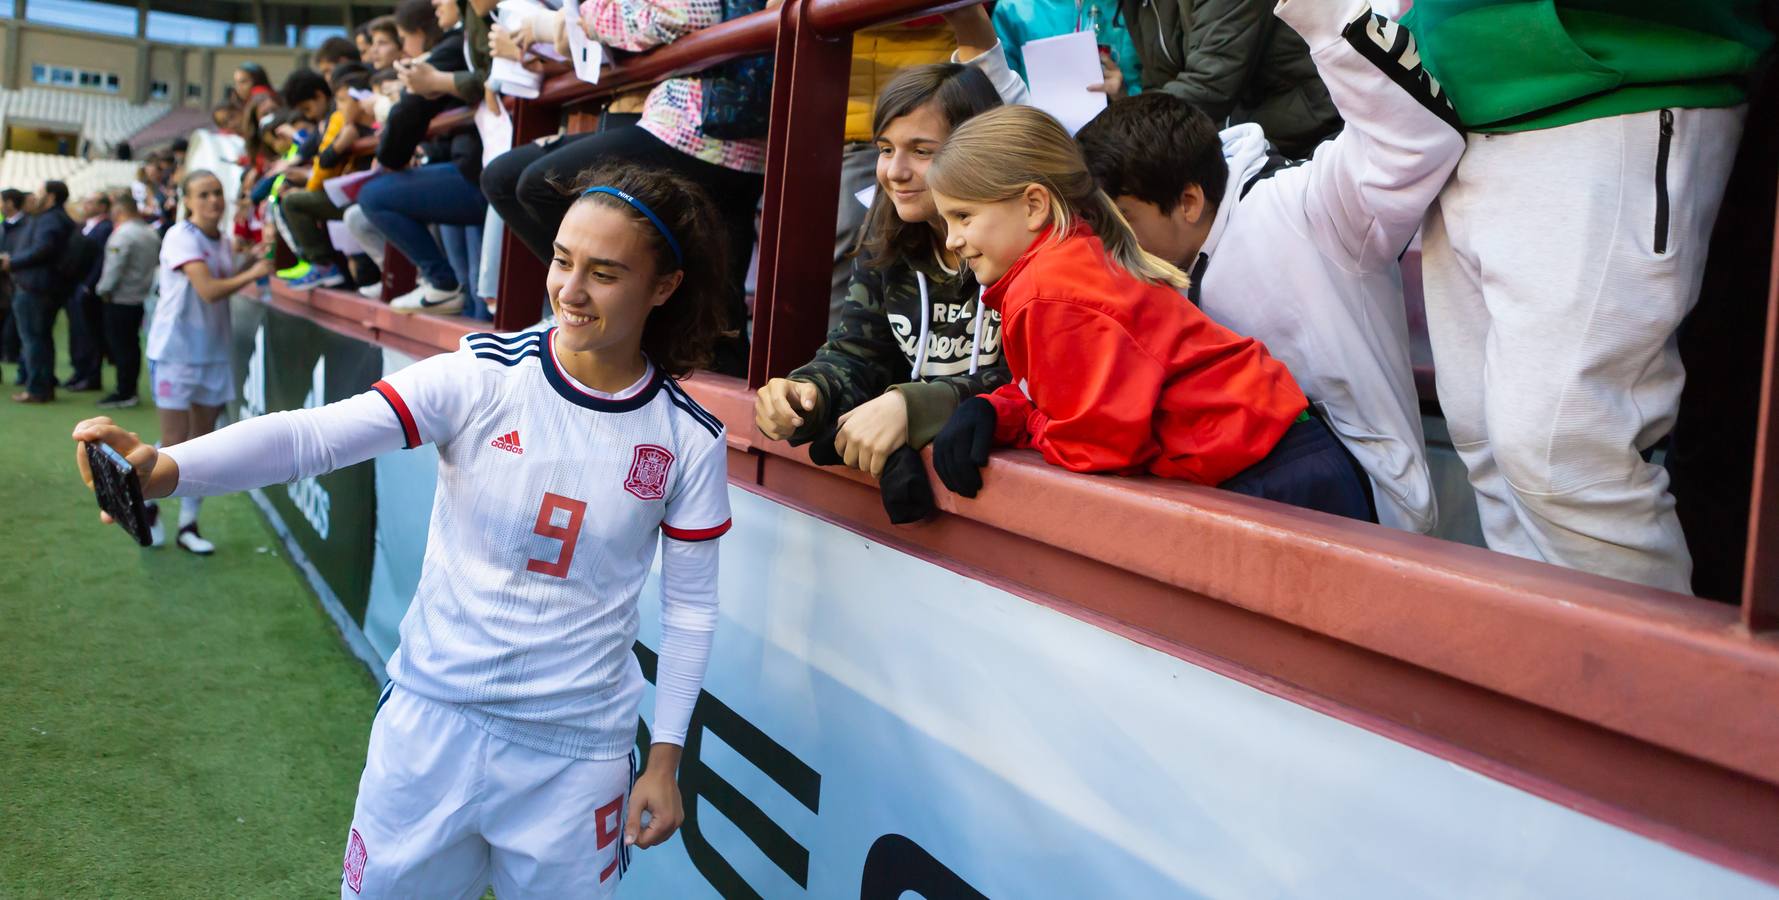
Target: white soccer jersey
185	328
551	500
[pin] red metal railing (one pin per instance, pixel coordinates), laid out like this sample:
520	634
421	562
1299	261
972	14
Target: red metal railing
1645	708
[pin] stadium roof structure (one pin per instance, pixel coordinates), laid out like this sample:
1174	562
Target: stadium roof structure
270	15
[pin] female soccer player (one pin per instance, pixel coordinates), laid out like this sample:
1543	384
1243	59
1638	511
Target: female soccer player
501	751
188	341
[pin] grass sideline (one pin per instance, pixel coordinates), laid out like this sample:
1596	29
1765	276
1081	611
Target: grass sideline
170	726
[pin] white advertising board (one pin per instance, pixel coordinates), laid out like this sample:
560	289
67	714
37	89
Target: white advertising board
875	724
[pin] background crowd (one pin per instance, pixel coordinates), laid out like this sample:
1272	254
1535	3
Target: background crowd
1250	187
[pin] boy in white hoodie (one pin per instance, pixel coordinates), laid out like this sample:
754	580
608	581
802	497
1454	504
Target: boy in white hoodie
1302	255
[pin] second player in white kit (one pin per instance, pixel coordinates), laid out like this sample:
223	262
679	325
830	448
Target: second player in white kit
503	749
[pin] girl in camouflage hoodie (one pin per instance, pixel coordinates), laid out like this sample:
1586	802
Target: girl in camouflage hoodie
914	339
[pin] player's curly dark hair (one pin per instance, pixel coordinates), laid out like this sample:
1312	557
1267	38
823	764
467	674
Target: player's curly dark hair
679	335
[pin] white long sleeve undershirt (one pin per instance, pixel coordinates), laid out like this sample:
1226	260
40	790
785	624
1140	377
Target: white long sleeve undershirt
284	447
688	623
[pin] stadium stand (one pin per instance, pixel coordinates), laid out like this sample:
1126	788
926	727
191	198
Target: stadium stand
104	122
178	123
28	171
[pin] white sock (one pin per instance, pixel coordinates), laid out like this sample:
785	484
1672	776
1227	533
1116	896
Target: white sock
188	510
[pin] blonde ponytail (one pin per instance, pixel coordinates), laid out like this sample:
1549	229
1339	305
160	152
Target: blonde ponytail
1121	244
993	156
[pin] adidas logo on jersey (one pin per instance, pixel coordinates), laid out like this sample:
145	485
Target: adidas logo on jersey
508	442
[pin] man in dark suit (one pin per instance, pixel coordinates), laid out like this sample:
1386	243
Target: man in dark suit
86	324
40	289
12	231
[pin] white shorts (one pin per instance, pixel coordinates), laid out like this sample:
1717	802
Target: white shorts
445	809
180	385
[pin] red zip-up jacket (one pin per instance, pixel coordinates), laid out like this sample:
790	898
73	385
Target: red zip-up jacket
1114	374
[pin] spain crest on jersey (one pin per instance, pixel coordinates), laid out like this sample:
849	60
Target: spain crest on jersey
648	472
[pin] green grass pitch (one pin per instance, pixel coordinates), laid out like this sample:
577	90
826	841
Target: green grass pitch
170	726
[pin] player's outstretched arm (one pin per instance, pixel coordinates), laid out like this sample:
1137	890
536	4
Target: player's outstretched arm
273	449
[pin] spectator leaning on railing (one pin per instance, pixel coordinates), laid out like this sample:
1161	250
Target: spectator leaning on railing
332	52
1221	206
385	42
407	199
524	184
914	339
418	26
1112	370
878	54
306	211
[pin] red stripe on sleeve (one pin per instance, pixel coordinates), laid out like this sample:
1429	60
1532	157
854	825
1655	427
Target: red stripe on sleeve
696	534
409	430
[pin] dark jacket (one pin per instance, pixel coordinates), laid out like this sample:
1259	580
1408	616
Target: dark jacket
1236	61
878	342
34	263
12	238
93	254
409	118
462	147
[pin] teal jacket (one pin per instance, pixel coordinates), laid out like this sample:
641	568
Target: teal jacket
1514	65
1019	21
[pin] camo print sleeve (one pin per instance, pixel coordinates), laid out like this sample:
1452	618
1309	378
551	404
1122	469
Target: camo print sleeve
860	360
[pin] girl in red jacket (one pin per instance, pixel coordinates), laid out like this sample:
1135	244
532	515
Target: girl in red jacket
1114	370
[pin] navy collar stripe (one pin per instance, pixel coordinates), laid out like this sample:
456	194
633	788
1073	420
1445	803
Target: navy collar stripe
553	374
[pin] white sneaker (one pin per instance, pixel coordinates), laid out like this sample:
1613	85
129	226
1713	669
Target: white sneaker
157	536
191	540
428	299
372	291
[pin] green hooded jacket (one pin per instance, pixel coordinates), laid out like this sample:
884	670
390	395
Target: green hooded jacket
877	345
1512	65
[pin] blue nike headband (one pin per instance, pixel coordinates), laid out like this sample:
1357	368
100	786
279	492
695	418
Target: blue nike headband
679	258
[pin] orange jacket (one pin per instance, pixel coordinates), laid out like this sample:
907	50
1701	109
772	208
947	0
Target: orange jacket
879	53
1114	374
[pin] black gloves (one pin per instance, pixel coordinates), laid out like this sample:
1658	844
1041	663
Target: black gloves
959	453
907	495
961	449
821	449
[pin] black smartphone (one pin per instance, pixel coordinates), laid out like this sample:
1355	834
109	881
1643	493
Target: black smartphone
118	490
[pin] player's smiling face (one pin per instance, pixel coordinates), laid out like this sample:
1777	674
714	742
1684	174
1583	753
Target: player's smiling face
604	279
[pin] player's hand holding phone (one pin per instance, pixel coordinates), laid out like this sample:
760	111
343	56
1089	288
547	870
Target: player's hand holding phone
114	449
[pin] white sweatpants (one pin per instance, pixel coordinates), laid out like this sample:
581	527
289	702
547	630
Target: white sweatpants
1553	293
445	809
